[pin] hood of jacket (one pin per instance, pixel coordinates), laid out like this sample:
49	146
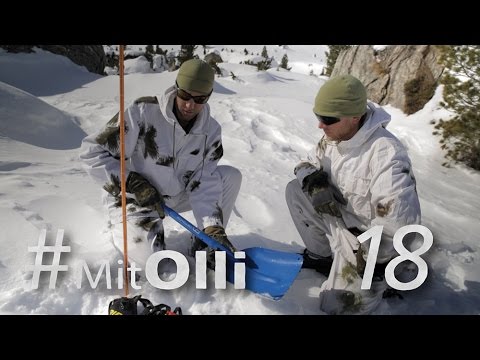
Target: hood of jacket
165	102
376	117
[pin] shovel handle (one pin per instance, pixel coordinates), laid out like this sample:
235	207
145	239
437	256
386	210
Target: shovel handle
195	231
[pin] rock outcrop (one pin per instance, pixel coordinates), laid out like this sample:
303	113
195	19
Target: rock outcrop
91	56
404	76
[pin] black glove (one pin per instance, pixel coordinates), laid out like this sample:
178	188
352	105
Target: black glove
323	195
145	193
218	233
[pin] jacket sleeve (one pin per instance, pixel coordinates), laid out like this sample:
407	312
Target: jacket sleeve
205	186
311	164
394	198
100	152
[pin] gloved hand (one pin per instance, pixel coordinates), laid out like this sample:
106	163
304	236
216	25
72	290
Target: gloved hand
145	193
218	233
323	195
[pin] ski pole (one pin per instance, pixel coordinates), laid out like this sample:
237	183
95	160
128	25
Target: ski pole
122	172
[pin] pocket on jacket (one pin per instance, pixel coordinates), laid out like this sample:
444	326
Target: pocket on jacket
358	186
186	167
166	181
191	156
189	162
356	190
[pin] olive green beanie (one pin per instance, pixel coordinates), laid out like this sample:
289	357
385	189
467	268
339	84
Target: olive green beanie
196	75
341	96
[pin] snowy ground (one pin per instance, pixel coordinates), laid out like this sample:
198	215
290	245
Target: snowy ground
47	104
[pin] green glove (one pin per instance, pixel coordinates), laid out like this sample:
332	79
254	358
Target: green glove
145	193
218	233
324	197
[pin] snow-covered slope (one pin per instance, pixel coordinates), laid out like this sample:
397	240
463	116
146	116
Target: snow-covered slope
25	118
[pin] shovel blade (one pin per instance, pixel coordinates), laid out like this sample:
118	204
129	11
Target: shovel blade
268	272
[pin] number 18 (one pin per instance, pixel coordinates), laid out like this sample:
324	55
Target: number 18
375	234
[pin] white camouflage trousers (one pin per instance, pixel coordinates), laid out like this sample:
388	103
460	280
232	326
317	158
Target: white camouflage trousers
145	233
327	235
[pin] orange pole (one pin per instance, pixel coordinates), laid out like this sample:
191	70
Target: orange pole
122	173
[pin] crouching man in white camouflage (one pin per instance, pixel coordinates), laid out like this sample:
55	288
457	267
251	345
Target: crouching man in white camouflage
359	176
172	148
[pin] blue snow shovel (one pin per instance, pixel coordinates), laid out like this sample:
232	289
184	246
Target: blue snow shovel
267	272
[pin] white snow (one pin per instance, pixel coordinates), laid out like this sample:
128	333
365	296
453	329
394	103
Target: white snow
137	65
47	103
380	47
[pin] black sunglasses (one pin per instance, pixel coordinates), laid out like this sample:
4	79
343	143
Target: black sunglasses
327	120
200	99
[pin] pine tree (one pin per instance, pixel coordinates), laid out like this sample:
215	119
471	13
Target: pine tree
149	49
332	55
149	54
284	62
461	94
264	64
186	53
264	52
160	51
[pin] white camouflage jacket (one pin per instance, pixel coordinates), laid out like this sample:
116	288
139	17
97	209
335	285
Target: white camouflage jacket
157	147
374	173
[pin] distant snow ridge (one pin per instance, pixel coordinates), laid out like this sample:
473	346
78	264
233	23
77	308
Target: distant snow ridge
25	118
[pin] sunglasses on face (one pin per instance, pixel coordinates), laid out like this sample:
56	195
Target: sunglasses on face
327	120
200	99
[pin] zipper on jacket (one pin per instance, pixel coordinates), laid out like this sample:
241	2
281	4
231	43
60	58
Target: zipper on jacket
173	155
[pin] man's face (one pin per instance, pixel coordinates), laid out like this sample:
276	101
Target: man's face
187	104
342	130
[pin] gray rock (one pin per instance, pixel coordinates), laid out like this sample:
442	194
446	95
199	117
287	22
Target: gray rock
213	58
91	56
404	76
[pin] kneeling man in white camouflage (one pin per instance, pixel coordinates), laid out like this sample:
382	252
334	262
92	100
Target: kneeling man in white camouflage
358	176
172	148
